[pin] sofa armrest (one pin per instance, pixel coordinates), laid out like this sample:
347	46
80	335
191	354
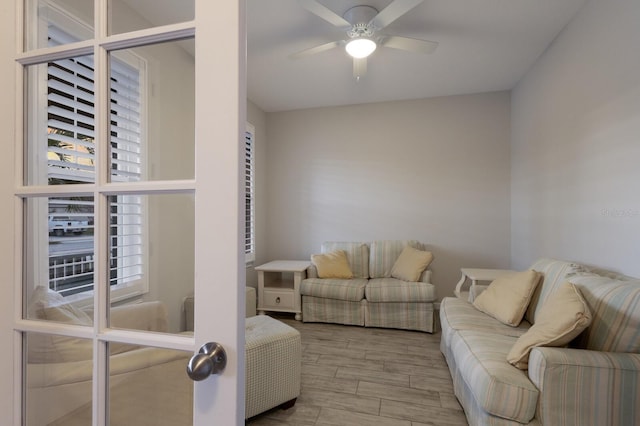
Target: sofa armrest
425	277
586	387
146	316
312	272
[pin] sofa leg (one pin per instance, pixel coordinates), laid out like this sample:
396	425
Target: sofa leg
288	404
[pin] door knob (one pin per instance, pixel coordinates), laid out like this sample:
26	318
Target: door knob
210	359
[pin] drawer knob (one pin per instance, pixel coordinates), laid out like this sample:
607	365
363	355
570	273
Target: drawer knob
277	300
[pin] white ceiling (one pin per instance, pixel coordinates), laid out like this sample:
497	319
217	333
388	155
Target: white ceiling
485	45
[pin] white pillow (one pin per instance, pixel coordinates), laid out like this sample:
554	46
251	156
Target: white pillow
506	299
411	263
560	320
48	305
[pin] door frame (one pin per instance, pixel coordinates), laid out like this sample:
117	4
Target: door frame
219	254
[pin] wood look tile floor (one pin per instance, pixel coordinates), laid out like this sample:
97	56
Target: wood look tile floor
369	376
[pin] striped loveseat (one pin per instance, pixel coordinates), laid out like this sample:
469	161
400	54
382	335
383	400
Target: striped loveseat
372	298
595	381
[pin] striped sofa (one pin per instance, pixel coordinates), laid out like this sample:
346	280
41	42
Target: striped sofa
596	381
372	298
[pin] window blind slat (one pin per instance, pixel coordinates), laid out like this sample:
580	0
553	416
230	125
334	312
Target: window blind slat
70	165
126	145
68	153
125	101
79	106
72	92
71	175
78	69
124	132
126	114
59	137
70	77
73	116
70	128
124	89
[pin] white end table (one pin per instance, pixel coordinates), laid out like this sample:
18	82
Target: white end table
475	275
279	286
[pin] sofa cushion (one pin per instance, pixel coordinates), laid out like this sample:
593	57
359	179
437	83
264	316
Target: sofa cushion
384	254
333	288
554	272
411	264
615	307
357	255
507	297
458	314
333	264
562	318
394	290
498	387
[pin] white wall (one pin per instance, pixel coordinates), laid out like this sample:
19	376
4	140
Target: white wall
171	155
576	144
435	170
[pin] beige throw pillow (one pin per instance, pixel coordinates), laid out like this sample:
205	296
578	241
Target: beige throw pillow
333	264
506	299
411	263
560	320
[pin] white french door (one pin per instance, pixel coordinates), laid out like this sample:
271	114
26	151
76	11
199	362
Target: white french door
127	125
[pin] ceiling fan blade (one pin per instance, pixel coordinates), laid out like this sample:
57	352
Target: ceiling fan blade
325	13
410	44
392	12
315	49
359	67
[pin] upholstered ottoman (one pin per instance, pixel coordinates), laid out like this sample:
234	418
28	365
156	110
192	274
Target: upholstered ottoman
273	363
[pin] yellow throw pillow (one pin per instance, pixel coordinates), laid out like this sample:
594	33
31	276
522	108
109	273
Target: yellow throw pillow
411	263
333	264
560	320
506	299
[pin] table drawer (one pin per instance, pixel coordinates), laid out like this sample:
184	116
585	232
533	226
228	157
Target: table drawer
280	299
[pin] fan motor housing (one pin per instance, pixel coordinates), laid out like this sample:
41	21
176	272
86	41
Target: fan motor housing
360	14
359	17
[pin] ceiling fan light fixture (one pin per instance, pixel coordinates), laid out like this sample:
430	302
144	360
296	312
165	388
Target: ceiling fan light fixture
360	47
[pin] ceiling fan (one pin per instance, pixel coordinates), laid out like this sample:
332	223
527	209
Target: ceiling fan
363	24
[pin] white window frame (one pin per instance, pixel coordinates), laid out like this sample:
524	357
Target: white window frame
40	237
250	190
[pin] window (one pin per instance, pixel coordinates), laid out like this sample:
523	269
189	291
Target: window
70	160
250	198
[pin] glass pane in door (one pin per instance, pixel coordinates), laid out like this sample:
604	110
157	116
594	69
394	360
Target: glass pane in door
133	15
59	145
151	249
149	386
59	270
152	120
58	378
45	19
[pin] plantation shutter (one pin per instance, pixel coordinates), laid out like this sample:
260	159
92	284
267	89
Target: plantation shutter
249	188
71	159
